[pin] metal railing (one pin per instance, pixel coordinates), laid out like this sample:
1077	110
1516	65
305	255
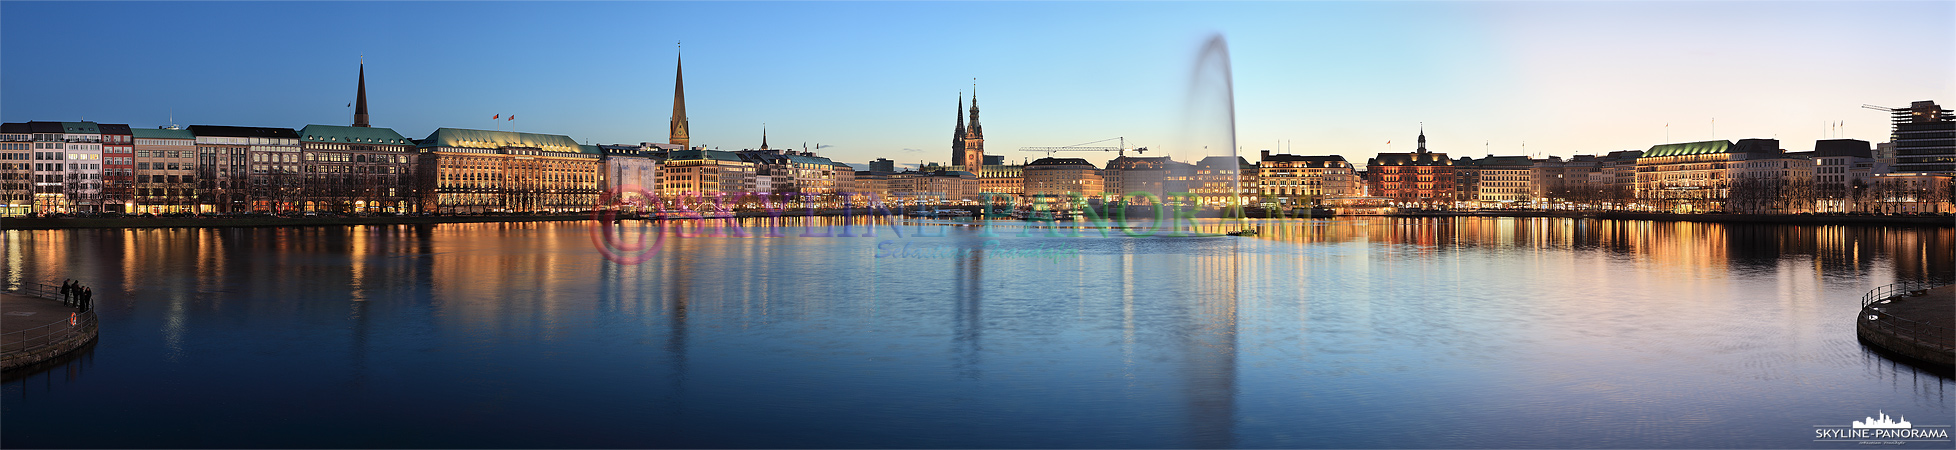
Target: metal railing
1873	313
32	338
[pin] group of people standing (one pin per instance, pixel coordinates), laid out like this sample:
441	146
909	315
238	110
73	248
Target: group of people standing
76	295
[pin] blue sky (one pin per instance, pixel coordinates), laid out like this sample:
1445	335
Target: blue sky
882	79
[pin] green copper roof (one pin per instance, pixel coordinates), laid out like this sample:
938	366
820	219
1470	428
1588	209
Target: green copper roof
1689	148
457	137
352	135
146	133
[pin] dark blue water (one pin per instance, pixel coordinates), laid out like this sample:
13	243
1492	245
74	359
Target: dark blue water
1473	332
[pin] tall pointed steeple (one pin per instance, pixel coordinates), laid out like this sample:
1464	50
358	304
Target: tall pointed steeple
678	133
764	136
974	138
360	102
957	137
1422	137
976	130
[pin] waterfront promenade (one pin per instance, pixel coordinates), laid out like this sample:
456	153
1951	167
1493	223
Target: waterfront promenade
1911	321
40	329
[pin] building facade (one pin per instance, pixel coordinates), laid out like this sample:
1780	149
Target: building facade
356	169
462	170
1062	178
118	168
1293	180
166	171
18	158
1421	179
1925	139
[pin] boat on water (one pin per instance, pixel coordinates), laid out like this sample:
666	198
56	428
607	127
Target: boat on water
1249	232
685	214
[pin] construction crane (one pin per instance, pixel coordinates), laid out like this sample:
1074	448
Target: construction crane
1082	147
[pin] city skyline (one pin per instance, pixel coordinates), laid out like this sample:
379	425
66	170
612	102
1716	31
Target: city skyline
1556	76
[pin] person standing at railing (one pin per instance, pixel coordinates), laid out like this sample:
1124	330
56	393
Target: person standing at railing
87	298
67	289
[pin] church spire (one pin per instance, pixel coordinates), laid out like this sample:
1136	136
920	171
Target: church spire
360	101
957	137
975	128
1422	137
678	133
764	136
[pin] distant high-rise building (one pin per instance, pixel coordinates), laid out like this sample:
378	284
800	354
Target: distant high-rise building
1925	139
679	132
882	165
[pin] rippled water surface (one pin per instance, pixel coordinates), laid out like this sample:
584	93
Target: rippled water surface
1466	332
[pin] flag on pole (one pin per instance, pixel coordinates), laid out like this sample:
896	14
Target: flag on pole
497	116
512	117
349	105
1388	142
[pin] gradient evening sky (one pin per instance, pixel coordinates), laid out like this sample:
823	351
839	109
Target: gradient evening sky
881	79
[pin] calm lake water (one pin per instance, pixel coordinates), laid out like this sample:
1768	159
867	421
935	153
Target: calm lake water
1382	332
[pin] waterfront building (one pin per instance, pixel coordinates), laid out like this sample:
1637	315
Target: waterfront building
942	187
1911	193
1584	183
50	167
1293	180
1619	168
166	170
1127	177
1545	182
1505	182
1843	171
629	166
679	133
843	180
1770	183
250	169
875	186
118	168
462	170
1419	179
1223	180
882	165
1466	182
1007	180
704	173
355	169
1925	139
1061	178
18	160
1695	176
81	180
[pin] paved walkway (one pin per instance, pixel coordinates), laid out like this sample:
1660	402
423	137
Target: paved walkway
1937	308
22	319
1927	330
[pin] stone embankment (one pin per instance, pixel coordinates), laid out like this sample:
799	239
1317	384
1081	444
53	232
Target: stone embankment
39	328
1914	321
